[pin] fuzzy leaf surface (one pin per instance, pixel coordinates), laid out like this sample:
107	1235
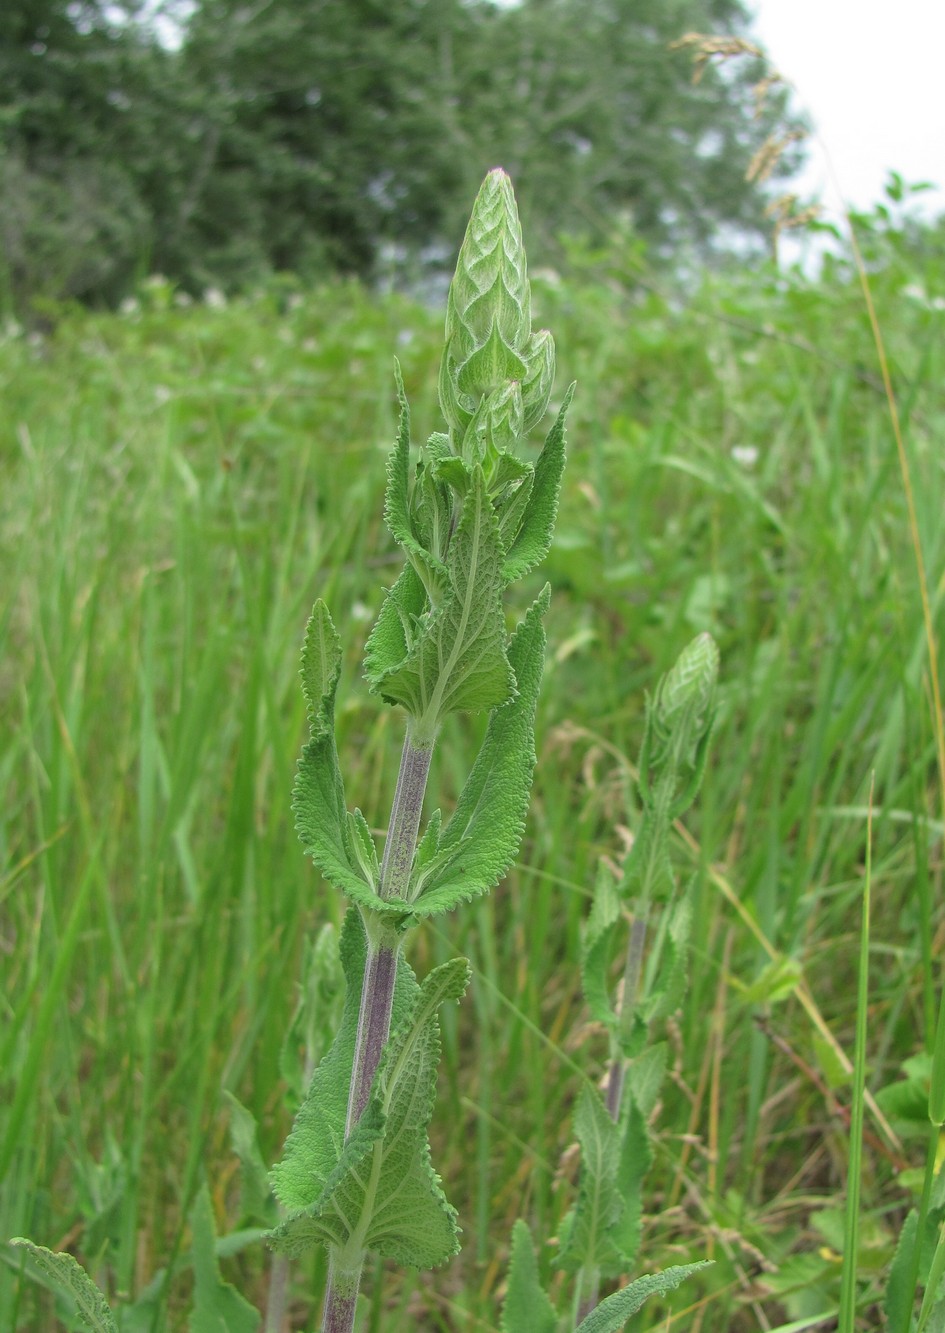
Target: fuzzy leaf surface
587	1240
636	1157
59	1271
218	1306
533	540
527	1308
314	1146
321	815
482	837
378	1191
457	659
401	617
317	1013
645	1076
397	495
611	1315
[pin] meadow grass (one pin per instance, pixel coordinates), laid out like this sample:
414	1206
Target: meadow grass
178	484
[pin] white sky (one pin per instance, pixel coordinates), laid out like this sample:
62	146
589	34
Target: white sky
871	76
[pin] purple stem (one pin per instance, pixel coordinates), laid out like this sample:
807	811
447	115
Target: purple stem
377	990
618	1065
340	1301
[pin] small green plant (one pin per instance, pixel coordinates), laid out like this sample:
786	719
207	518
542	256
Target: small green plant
600	1238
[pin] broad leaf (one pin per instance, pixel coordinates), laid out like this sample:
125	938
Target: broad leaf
526	1308
457	660
510	509
611	1315
599	1206
218	1306
533	541
379	1186
321	815
316	1013
483	835
61	1272
645	1076
314	1146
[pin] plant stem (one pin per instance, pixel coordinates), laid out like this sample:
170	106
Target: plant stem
589	1282
275	1301
377	990
631	984
341	1299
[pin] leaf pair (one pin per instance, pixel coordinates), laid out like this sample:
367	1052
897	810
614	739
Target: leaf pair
455	863
602	1233
377	1191
439	642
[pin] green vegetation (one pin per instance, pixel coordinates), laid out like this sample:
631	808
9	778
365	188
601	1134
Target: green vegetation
179	483
350	135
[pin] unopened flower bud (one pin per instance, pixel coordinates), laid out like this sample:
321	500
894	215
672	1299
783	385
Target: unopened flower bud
685	695
488	313
539	378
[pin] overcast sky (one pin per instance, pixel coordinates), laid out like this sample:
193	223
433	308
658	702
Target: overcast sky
871	74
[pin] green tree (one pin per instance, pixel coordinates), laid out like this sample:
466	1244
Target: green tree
595	114
78	100
286	134
322	128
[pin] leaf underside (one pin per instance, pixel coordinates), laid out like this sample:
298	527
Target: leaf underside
318	799
378	1190
59	1271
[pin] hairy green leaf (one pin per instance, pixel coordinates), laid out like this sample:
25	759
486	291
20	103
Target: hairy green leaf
321	994
60	1272
218	1307
611	1315
483	835
378	1190
401	618
533	539
458	658
645	1075
321	815
526	1308
587	1242
313	1148
397	499
636	1157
